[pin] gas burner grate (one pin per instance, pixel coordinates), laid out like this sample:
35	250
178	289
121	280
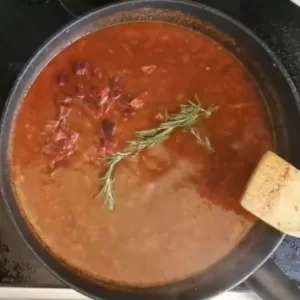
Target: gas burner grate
35	2
79	7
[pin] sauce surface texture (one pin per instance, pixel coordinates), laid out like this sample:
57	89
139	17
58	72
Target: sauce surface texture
177	206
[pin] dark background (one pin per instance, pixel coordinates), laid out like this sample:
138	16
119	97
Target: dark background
26	24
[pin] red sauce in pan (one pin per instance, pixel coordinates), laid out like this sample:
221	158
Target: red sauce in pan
177	206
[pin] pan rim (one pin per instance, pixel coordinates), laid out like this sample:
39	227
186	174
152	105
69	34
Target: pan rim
278	237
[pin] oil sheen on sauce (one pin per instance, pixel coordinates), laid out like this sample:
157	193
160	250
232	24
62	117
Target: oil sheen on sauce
177	206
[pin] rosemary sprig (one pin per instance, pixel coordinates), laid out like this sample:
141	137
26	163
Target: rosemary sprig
187	117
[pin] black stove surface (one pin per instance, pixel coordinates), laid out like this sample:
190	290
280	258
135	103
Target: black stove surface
26	24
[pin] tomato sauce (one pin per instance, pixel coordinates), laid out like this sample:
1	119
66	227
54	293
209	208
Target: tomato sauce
177	208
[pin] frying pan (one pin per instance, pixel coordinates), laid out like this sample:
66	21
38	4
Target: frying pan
250	257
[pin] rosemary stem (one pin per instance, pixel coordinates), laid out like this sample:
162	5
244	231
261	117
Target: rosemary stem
187	117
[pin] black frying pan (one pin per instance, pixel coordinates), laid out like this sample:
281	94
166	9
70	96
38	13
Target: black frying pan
281	100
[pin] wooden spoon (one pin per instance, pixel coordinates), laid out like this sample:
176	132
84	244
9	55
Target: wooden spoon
273	194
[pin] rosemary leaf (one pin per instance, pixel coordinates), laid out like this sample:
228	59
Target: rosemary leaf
204	142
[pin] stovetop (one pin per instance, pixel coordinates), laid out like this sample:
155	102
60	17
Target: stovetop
26	24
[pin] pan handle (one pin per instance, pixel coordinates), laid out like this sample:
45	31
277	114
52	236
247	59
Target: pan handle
270	283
